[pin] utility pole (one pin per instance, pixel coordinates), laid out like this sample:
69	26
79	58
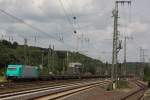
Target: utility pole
49	52
35	39
142	54
142	60
53	58
25	50
125	54
116	41
42	58
67	59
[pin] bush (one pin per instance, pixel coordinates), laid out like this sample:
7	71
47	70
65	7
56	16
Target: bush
148	84
122	84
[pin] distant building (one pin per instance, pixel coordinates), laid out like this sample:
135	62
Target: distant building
74	68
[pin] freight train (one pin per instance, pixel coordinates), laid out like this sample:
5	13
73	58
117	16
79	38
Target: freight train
24	72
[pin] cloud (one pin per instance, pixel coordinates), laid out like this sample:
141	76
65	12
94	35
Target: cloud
94	21
138	27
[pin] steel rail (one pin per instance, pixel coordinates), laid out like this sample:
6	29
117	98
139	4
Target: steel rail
46	91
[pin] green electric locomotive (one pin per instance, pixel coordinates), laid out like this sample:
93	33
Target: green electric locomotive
22	72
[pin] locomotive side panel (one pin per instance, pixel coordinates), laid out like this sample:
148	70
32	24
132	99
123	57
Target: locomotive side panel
30	72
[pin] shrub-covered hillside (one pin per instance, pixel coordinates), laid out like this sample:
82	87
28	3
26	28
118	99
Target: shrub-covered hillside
13	53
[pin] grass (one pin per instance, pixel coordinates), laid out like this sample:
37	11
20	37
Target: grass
2	76
122	84
2	79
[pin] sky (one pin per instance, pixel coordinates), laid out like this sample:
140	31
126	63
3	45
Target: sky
53	22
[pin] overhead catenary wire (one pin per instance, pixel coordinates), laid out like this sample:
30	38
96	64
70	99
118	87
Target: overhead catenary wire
77	23
75	18
31	26
67	17
20	20
37	29
59	36
81	37
129	22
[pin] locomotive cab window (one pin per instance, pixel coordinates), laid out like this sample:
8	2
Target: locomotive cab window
11	68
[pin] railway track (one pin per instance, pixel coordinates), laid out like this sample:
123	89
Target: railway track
66	93
21	86
54	91
136	94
